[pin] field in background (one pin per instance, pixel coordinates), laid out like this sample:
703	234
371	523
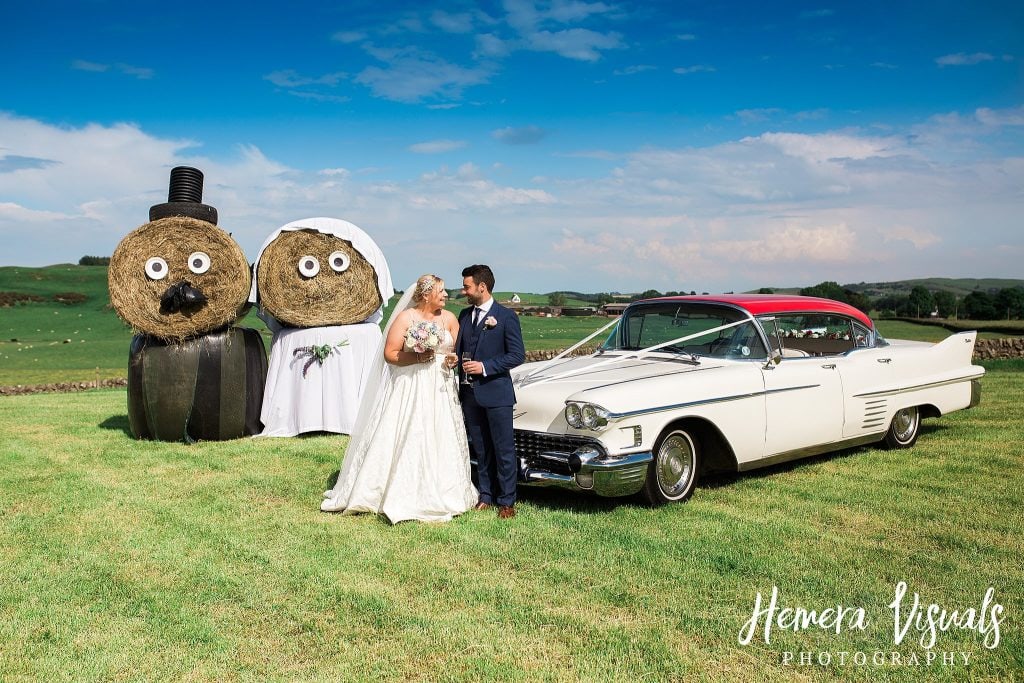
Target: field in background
52	342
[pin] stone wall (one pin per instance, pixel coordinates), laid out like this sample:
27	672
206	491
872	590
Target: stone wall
548	354
1007	347
62	387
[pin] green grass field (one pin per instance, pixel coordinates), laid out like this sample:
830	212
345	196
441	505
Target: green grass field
128	560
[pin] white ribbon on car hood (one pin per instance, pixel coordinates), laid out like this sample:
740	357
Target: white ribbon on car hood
629	356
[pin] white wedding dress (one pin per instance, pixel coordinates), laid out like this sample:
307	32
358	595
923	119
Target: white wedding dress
410	457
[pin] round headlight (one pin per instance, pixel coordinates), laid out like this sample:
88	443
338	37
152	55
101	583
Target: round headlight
572	415
593	416
589	416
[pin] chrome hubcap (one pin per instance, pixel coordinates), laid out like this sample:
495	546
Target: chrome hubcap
904	424
675	465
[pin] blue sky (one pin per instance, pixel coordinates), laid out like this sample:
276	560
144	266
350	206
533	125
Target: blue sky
588	146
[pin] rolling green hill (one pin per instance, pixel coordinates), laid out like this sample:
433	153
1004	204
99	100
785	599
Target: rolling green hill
958	286
48	341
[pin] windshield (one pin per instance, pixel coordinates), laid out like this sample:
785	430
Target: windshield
697	326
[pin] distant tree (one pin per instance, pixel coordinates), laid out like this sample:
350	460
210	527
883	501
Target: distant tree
556	299
94	261
857	300
649	294
832	290
891	304
945	301
1010	302
693	292
980	305
921	302
766	290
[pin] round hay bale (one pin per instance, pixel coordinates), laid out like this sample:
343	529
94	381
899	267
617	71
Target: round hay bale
328	297
137	297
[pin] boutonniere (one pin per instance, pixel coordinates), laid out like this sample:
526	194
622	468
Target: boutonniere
490	322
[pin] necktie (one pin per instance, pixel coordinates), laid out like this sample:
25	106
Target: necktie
476	315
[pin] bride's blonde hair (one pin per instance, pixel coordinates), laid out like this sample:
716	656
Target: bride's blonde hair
424	286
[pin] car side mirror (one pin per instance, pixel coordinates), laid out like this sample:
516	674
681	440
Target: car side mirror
773	360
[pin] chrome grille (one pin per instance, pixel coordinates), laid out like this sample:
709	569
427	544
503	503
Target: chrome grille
529	444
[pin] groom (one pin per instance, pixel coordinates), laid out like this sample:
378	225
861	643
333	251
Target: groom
490	334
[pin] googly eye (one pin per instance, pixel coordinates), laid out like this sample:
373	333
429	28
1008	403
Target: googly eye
339	261
199	262
309	266
156	268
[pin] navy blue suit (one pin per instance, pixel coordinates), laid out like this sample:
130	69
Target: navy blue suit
487	403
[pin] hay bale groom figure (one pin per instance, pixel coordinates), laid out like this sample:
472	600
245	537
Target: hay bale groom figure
490	335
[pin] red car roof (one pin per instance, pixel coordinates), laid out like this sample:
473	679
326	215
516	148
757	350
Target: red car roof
762	304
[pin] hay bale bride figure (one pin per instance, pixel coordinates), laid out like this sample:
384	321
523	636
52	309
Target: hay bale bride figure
409	456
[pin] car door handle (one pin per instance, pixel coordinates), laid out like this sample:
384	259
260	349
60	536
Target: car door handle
885	360
829	366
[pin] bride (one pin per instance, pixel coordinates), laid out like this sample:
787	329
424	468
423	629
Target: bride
408	457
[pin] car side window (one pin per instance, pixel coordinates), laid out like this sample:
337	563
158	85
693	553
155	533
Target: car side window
815	334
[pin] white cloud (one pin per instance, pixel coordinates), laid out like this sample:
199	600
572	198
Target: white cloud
140	72
289	78
757	115
349	36
437	146
963	59
779	208
452	23
411	75
919	237
697	68
575	43
538	28
525	135
634	69
1000	117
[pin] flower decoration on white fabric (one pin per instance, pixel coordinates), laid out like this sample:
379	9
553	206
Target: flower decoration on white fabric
317	354
422	336
490	322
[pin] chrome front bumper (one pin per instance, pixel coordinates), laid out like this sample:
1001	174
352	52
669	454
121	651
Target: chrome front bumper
592	471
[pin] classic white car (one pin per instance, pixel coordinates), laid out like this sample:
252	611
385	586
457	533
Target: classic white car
693	384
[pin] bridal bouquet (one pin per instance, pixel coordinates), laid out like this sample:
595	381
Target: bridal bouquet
422	336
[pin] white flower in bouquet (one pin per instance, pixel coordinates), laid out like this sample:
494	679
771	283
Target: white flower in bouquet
422	336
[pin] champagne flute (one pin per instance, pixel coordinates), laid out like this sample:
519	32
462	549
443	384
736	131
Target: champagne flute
466	356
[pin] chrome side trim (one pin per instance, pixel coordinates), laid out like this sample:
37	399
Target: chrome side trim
916	387
809	451
688	404
707	401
